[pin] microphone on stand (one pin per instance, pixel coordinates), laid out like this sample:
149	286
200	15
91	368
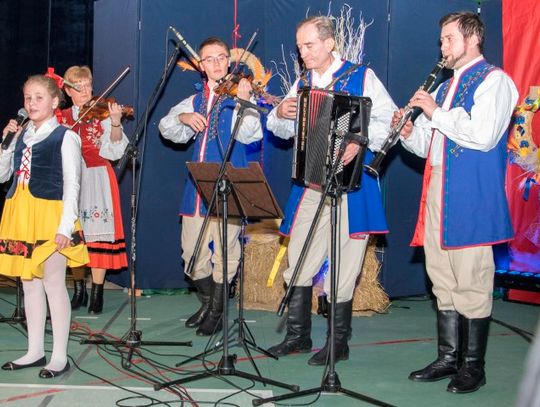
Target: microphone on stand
185	43
250	105
22	115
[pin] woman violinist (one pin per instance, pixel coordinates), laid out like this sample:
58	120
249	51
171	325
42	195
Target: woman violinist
39	233
99	204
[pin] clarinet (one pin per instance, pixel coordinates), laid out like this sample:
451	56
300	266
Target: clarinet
373	168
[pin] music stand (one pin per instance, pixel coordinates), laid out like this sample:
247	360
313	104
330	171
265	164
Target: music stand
253	190
243	193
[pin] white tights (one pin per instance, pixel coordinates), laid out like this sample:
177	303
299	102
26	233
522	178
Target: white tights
36	293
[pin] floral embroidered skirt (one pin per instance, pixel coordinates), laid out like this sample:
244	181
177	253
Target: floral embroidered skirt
27	232
101	218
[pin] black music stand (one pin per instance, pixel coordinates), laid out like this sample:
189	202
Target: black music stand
333	188
243	193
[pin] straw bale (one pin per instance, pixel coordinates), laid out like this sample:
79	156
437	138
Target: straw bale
261	250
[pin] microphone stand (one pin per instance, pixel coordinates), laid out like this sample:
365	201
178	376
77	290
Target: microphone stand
330	382
223	189
132	339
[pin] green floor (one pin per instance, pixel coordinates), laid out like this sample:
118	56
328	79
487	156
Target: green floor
384	349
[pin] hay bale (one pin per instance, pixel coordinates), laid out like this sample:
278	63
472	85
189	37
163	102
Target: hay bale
261	251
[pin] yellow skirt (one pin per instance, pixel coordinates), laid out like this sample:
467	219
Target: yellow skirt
27	232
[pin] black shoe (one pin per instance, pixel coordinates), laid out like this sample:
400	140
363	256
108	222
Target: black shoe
298	336
50	374
469	378
14	366
446	364
438	370
205	288
342	333
321	358
80	296
213	322
96	299
289	346
471	375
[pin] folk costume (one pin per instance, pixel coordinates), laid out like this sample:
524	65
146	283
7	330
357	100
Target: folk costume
99	204
463	209
361	211
210	146
41	203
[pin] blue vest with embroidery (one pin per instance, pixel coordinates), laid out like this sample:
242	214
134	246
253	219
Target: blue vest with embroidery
46	180
219	134
366	211
474	209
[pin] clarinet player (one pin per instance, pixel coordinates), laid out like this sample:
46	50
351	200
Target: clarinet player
462	134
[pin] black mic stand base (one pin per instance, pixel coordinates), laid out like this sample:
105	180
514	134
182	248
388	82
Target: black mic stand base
132	342
331	384
226	368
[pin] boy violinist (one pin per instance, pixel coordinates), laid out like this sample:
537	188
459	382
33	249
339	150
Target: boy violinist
208	118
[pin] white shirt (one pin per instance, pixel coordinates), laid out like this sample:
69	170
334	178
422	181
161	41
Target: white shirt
381	110
494	102
71	168
172	129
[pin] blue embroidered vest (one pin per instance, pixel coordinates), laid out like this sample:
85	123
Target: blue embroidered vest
217	140
46	180
474	209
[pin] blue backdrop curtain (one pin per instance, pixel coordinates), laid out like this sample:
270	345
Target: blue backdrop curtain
401	46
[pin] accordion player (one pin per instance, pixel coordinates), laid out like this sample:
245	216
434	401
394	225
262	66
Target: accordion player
326	121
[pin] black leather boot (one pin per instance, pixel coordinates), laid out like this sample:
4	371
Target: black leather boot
205	287
342	329
80	296
298	336
213	321
96	299
446	364
471	375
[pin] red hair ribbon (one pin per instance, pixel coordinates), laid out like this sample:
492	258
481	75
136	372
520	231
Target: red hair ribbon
59	80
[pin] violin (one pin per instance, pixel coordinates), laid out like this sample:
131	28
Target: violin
98	108
229	86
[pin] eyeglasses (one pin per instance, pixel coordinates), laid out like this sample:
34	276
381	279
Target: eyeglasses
212	60
84	85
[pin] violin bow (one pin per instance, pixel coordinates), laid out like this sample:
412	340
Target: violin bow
102	95
248	46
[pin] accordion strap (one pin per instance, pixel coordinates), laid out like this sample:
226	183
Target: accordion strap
345	74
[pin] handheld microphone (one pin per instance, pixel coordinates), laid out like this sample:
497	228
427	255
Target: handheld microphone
22	115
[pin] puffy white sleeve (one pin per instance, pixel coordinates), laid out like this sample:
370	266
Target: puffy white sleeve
494	102
382	109
112	150
6	162
250	129
171	128
71	171
283	128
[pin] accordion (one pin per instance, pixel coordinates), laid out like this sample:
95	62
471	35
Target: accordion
326	120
